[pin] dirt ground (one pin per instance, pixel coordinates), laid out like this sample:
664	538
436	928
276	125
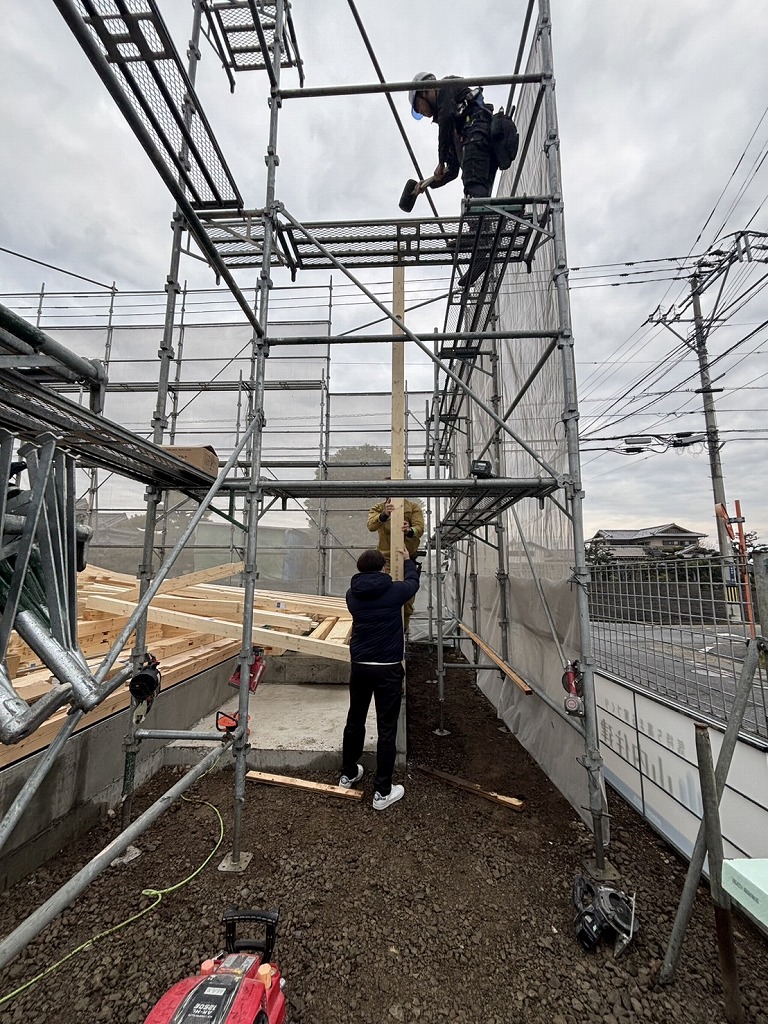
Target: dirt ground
444	908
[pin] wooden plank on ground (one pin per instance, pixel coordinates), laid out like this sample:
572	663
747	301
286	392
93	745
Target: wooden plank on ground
497	660
513	802
314	787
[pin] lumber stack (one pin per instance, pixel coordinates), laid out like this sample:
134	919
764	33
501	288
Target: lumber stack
193	624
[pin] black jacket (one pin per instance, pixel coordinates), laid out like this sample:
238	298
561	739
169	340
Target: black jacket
449	121
375	601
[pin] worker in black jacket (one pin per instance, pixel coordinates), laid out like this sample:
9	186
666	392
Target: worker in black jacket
464	134
376	648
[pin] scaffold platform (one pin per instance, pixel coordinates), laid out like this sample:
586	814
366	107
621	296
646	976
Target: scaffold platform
243	34
510	230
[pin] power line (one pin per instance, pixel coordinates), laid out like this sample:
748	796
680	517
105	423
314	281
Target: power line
59	270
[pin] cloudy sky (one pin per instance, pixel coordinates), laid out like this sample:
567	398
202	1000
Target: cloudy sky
661	110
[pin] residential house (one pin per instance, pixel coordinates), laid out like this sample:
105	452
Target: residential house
669	539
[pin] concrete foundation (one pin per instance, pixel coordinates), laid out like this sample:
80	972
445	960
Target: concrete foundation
292	726
302	668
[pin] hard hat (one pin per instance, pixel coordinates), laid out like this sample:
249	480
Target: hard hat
422	76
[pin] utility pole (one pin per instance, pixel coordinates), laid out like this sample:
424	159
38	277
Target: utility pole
710	417
713	443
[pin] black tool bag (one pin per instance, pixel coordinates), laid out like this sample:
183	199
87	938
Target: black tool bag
504	139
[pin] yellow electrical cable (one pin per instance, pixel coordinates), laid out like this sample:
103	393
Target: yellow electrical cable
157	894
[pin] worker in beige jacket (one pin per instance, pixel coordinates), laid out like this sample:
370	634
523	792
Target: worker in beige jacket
379	521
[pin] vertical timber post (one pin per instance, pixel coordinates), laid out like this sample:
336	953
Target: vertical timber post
397	460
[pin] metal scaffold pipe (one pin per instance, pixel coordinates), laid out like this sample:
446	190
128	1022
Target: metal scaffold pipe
238	859
34	924
592	760
90	370
755	650
379	87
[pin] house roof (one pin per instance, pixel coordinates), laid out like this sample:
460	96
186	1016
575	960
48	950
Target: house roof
646	533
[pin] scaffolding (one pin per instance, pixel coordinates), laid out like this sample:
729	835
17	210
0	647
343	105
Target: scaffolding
499	460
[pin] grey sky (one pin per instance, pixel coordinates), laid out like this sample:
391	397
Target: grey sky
657	104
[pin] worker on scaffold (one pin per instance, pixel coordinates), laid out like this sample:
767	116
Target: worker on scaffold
463	120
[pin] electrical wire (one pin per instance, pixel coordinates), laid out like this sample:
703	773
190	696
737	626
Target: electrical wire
60	270
155	894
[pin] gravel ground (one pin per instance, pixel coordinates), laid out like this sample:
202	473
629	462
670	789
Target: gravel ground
444	908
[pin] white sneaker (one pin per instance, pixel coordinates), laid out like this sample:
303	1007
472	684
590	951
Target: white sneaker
346	783
381	803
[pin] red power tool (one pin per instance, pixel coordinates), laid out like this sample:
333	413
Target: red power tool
240	985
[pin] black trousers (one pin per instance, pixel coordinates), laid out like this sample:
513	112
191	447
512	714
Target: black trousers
385	684
478	165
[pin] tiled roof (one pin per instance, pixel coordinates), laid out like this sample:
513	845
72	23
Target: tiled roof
646	533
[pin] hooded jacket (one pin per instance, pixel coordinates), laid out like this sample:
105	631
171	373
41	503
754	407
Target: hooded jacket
375	601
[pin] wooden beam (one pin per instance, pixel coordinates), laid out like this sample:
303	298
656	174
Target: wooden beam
263	637
231	610
218	572
190	579
313	787
341	631
321	632
317	607
397	459
497	660
33	685
95	572
514	803
195	623
179	671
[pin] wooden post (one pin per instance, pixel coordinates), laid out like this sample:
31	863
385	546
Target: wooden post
397	463
397	470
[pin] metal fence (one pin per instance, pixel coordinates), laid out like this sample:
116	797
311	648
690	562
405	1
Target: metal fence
678	629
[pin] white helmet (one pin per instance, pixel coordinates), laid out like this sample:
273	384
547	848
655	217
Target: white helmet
422	76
